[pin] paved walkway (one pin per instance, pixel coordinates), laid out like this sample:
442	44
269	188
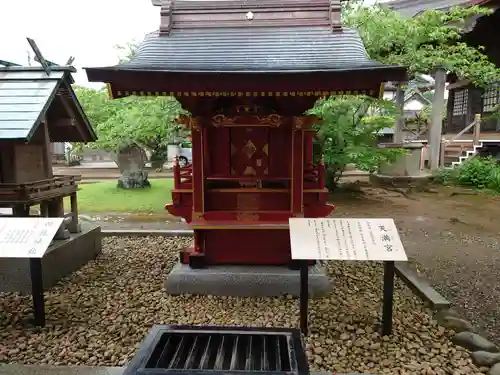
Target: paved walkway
98	172
103	173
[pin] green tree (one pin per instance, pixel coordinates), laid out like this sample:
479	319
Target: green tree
127	51
347	131
145	122
429	41
148	122
424	43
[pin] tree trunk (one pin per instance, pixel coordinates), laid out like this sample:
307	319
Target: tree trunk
131	162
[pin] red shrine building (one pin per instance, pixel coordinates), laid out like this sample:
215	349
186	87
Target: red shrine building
247	71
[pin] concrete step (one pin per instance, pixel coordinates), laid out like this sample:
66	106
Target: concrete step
456	148
453	153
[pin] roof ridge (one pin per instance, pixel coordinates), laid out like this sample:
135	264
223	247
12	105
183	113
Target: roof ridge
184	14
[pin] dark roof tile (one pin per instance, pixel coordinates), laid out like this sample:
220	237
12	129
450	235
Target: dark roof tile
253	49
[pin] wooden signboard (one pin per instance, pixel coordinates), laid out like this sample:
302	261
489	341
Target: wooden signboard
27	237
347	239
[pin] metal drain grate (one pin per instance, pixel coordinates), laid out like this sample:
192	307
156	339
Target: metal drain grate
181	349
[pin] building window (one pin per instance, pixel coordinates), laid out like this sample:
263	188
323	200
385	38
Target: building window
460	102
491	98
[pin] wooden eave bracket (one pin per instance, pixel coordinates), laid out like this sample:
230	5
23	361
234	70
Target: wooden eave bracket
69	109
335	12
166	17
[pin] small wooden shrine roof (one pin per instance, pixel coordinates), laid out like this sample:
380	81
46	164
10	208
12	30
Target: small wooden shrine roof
28	96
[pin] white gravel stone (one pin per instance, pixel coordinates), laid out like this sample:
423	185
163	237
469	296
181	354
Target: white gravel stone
101	313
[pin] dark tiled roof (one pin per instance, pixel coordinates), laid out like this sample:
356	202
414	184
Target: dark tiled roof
411	8
243	49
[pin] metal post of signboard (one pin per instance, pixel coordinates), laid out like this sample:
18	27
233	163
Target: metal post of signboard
388	298
37	291
304	295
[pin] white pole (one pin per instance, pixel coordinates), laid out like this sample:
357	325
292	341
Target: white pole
400	121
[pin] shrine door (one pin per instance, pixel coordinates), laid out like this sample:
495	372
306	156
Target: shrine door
249	151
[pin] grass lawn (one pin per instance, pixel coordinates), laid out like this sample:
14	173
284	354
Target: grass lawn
106	197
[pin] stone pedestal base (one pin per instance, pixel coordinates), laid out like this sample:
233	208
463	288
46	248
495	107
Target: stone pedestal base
244	281
418	181
134	180
61	259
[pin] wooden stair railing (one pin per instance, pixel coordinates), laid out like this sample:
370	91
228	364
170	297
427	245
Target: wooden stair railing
476	136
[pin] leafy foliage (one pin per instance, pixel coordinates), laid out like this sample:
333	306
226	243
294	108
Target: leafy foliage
446	176
480	173
424	43
146	121
348	130
128	51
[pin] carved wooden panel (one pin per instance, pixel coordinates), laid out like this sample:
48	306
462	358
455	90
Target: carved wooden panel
249	151
248	202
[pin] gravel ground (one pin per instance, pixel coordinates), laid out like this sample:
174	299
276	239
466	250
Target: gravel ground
464	267
452	235
100	314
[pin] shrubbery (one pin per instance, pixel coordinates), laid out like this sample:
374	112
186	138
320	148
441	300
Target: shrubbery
347	133
479	173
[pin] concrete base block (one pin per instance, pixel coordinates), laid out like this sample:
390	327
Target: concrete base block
421	286
61	259
419	181
244	281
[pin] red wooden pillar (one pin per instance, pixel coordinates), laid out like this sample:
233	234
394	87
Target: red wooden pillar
198	168
308	147
198	176
206	155
297	183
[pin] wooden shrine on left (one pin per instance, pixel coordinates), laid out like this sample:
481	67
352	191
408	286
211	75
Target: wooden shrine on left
38	106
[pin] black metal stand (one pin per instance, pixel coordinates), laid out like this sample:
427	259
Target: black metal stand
304	295
37	291
388	298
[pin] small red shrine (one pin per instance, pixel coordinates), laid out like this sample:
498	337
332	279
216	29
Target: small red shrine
247	71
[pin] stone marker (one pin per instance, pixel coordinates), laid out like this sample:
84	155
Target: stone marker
474	342
482	358
131	161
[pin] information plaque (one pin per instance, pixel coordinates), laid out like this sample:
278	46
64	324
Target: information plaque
27	237
346	239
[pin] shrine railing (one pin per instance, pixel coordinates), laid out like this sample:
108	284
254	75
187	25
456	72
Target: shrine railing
183	176
38	190
314	176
